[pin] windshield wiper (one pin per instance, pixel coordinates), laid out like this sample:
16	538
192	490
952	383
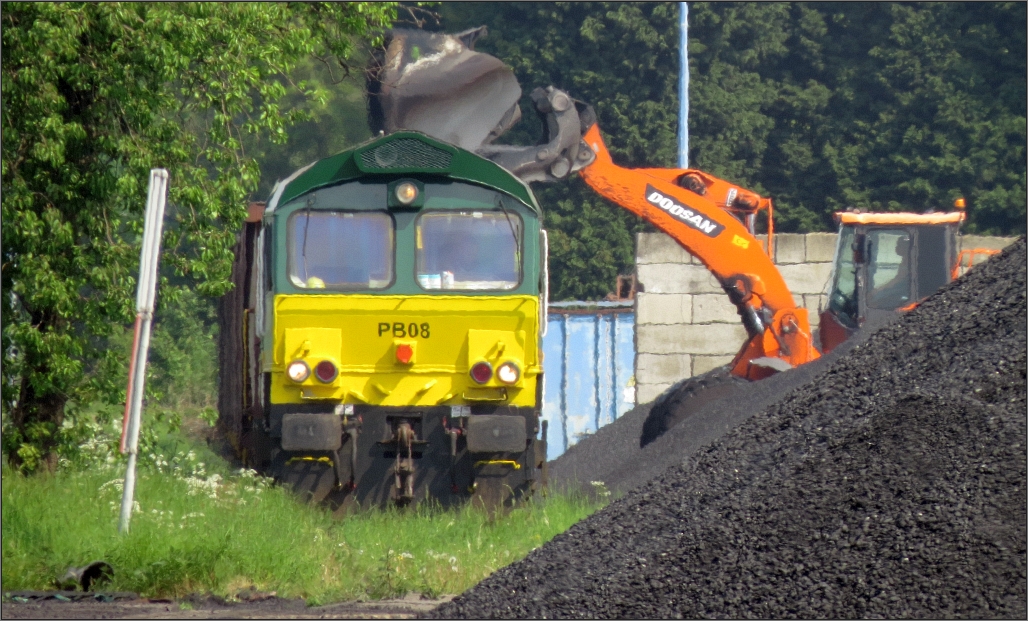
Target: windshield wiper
517	244
303	252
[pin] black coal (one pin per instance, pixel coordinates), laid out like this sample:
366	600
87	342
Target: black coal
891	484
624	454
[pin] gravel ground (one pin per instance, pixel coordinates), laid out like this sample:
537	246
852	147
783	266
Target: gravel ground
78	605
891	484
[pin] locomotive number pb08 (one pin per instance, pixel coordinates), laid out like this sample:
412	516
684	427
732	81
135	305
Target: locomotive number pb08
382	341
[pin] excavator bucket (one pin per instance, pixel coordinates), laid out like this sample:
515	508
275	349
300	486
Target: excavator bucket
437	84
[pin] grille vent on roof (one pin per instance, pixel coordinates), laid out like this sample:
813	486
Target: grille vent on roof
405	153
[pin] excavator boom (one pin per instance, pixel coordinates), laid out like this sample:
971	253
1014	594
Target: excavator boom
779	331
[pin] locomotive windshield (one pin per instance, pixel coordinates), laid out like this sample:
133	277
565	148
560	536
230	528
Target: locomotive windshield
341	250
469	250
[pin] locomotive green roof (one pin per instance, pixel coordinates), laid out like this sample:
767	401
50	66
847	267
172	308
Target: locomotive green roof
463	165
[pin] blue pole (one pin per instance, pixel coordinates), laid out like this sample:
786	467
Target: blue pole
683	87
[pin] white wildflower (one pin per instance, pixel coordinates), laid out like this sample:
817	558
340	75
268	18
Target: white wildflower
208	486
118	484
601	488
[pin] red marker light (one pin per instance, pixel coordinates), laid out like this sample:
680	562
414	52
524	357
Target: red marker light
482	372
326	371
404	353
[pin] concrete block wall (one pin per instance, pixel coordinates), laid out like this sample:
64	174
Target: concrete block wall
685	324
967	242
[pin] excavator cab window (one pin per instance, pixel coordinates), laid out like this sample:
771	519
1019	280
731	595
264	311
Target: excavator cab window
843	298
889	268
884	268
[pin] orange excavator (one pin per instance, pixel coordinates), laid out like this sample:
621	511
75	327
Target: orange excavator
884	263
437	84
699	211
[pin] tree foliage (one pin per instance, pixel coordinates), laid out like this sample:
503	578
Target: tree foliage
822	106
337	120
94	95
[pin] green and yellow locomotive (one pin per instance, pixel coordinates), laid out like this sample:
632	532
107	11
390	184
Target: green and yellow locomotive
382	341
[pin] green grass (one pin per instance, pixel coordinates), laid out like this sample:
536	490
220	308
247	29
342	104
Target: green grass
203	528
222	535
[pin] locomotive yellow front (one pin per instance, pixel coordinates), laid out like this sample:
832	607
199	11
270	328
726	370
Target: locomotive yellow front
390	301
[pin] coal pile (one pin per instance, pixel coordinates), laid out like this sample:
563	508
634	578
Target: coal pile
624	454
893	484
623	457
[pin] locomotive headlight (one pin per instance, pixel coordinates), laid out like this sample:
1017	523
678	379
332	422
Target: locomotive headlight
508	373
298	371
406	192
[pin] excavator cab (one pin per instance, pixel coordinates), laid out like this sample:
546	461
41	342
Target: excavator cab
884	263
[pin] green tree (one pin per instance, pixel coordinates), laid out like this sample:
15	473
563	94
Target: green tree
929	105
94	95
337	120
884	106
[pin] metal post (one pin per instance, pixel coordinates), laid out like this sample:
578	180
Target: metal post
564	383
683	87
596	382
145	293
